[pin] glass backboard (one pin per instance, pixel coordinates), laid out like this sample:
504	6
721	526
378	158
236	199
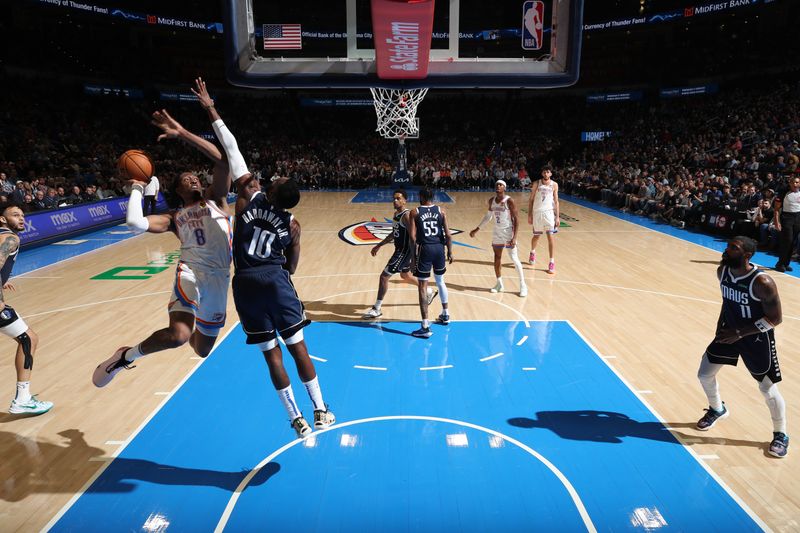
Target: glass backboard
474	44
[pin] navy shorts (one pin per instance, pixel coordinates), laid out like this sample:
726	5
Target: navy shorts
430	257
757	351
399	262
267	304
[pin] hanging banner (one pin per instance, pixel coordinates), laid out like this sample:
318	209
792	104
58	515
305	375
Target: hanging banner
402	38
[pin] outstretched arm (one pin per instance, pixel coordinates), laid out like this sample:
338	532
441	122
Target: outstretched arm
222	176
134	216
172	129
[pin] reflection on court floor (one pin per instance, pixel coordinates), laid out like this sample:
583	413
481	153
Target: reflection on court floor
485	426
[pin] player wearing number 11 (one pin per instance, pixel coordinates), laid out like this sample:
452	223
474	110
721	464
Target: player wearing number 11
200	295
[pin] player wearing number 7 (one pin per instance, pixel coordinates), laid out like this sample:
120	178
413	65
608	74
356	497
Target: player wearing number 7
200	295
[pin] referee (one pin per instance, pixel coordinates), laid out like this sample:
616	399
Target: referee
787	221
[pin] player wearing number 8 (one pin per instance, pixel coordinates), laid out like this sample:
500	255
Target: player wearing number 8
200	295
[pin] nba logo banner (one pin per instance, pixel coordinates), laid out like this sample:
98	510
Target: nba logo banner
532	24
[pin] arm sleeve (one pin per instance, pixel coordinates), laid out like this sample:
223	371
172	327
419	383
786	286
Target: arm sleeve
228	141
135	218
486	218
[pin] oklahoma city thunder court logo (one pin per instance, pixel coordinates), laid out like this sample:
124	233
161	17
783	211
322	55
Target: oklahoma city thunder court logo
371	232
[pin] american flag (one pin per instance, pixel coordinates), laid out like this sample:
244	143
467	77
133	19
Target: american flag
282	37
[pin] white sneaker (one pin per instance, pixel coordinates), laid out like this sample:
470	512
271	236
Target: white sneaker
432	293
497	288
31	407
372	313
109	368
523	291
323	419
301	427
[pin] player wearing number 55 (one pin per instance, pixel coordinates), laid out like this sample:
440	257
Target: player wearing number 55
204	227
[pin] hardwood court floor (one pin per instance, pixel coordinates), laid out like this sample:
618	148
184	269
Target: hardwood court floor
645	300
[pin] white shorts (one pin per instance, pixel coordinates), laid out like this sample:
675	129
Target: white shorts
544	221
203	294
12	324
501	236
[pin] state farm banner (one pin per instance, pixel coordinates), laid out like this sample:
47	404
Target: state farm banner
403	32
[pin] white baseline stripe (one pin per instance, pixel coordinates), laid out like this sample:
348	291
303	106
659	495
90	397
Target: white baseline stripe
320	359
528	368
698	458
522	340
370	367
146	421
495	356
435	367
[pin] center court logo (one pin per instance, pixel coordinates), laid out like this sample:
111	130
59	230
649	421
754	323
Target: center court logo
372	232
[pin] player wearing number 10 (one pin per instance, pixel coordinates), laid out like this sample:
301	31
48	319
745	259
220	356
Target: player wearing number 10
200	296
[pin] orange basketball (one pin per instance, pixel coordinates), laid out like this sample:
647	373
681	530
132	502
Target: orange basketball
136	165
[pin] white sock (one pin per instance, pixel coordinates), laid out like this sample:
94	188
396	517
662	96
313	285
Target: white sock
445	312
287	399
425	323
314	392
500	281
133	353
552	260
23	391
378	304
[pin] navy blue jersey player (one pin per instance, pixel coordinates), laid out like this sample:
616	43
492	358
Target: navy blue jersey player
751	308
12	221
430	235
266	249
401	258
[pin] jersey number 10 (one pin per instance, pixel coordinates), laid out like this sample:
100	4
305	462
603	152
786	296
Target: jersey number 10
261	243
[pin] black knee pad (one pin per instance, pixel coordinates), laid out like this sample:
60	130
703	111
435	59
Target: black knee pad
25	342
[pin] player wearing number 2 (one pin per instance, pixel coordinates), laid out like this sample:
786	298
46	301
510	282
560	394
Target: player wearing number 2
204	227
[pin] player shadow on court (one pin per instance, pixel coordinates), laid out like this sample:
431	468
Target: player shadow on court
611	427
30	467
381	326
323	311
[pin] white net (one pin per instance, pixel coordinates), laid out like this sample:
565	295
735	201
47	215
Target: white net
397	111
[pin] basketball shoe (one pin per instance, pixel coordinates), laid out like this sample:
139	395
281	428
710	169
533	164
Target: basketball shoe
372	313
443	319
779	446
523	291
323	419
422	333
31	407
432	295
109	368
711	417
551	268
301	427
498	287
532	258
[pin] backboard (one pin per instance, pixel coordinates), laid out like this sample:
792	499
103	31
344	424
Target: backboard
475	44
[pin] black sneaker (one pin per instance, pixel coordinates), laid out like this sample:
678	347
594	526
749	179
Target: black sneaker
780	268
779	446
788	268
422	333
711	417
443	319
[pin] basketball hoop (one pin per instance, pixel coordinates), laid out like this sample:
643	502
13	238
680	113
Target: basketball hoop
396	110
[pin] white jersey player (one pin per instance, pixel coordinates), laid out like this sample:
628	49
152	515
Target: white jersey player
199	298
543	214
503	211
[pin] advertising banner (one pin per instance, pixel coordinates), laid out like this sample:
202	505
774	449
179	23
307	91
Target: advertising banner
402	38
47	225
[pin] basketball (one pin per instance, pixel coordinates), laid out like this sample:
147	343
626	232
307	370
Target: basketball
136	165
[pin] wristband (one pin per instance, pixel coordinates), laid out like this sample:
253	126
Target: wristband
763	325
